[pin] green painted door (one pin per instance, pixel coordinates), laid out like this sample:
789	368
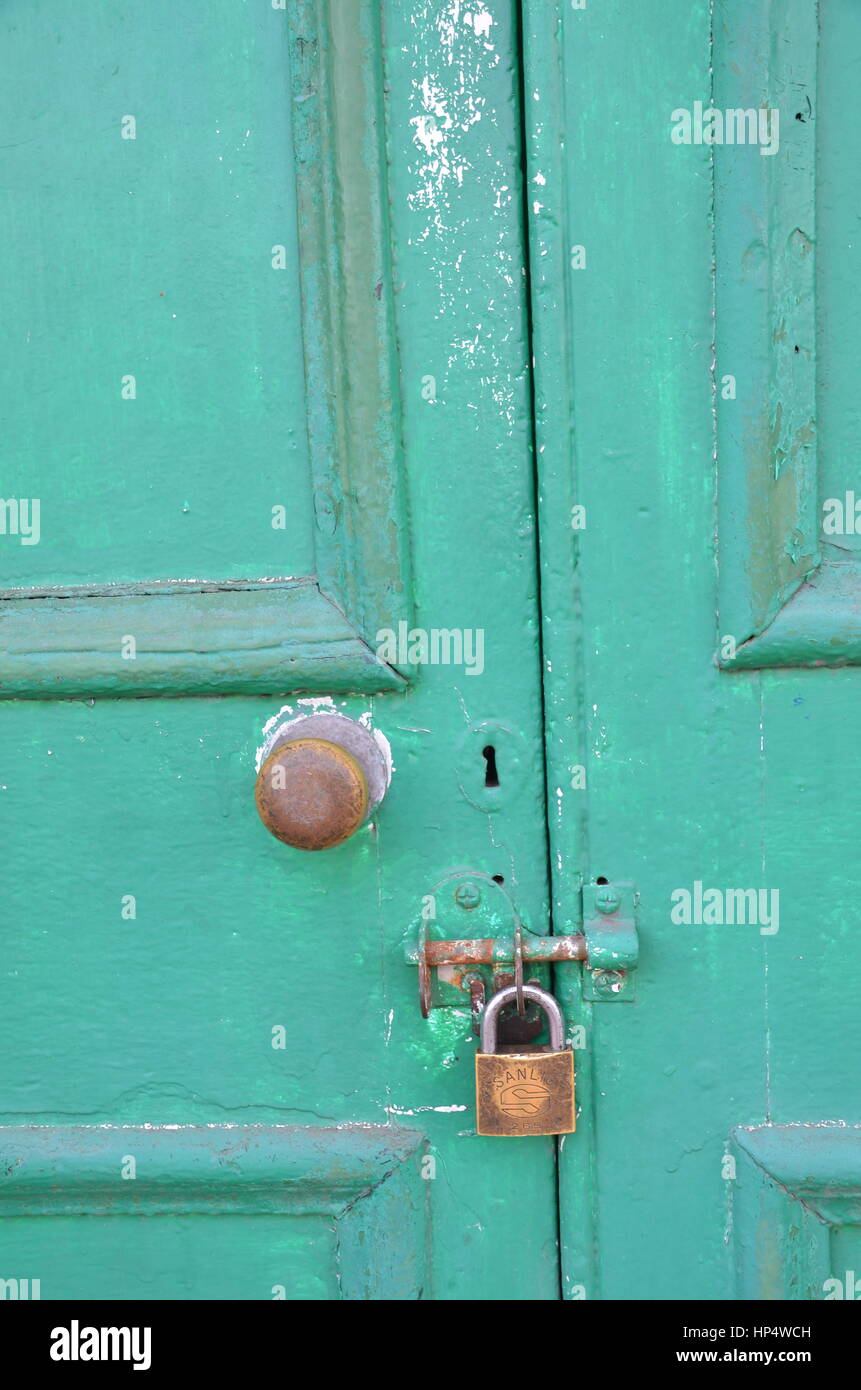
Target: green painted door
277	276
695	269
266	410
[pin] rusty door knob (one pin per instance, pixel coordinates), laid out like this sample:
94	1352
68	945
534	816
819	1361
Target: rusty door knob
320	779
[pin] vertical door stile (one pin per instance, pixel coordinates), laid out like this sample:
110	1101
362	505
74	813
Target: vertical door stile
546	175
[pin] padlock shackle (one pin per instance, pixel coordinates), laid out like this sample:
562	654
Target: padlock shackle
545	1001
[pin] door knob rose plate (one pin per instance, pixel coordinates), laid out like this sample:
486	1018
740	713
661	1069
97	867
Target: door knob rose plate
321	777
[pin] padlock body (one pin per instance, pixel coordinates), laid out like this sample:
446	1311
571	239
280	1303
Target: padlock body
523	1093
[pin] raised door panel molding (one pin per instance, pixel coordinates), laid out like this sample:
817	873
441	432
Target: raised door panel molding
280	634
796	1210
781	602
188	640
365	1180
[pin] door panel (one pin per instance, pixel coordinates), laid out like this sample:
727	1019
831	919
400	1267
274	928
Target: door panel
235	496
797	1211
719	1105
138	215
178	987
200	1211
789	590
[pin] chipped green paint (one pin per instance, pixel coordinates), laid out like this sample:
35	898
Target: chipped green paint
363	1181
791	595
796	1204
224	639
351	367
235	636
215	1078
765	231
153	971
724	1099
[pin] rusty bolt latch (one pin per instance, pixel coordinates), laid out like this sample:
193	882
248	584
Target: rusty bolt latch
608	945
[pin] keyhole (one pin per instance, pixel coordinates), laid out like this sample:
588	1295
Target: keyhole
491	776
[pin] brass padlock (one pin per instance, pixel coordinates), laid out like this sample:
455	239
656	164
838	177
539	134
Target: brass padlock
527	1089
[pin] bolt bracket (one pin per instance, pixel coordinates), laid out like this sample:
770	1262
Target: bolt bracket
612	944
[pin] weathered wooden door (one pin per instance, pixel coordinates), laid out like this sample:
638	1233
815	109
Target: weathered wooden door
265	400
276	274
695	277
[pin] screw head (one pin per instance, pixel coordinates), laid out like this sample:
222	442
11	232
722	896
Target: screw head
468	895
608	981
608	900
